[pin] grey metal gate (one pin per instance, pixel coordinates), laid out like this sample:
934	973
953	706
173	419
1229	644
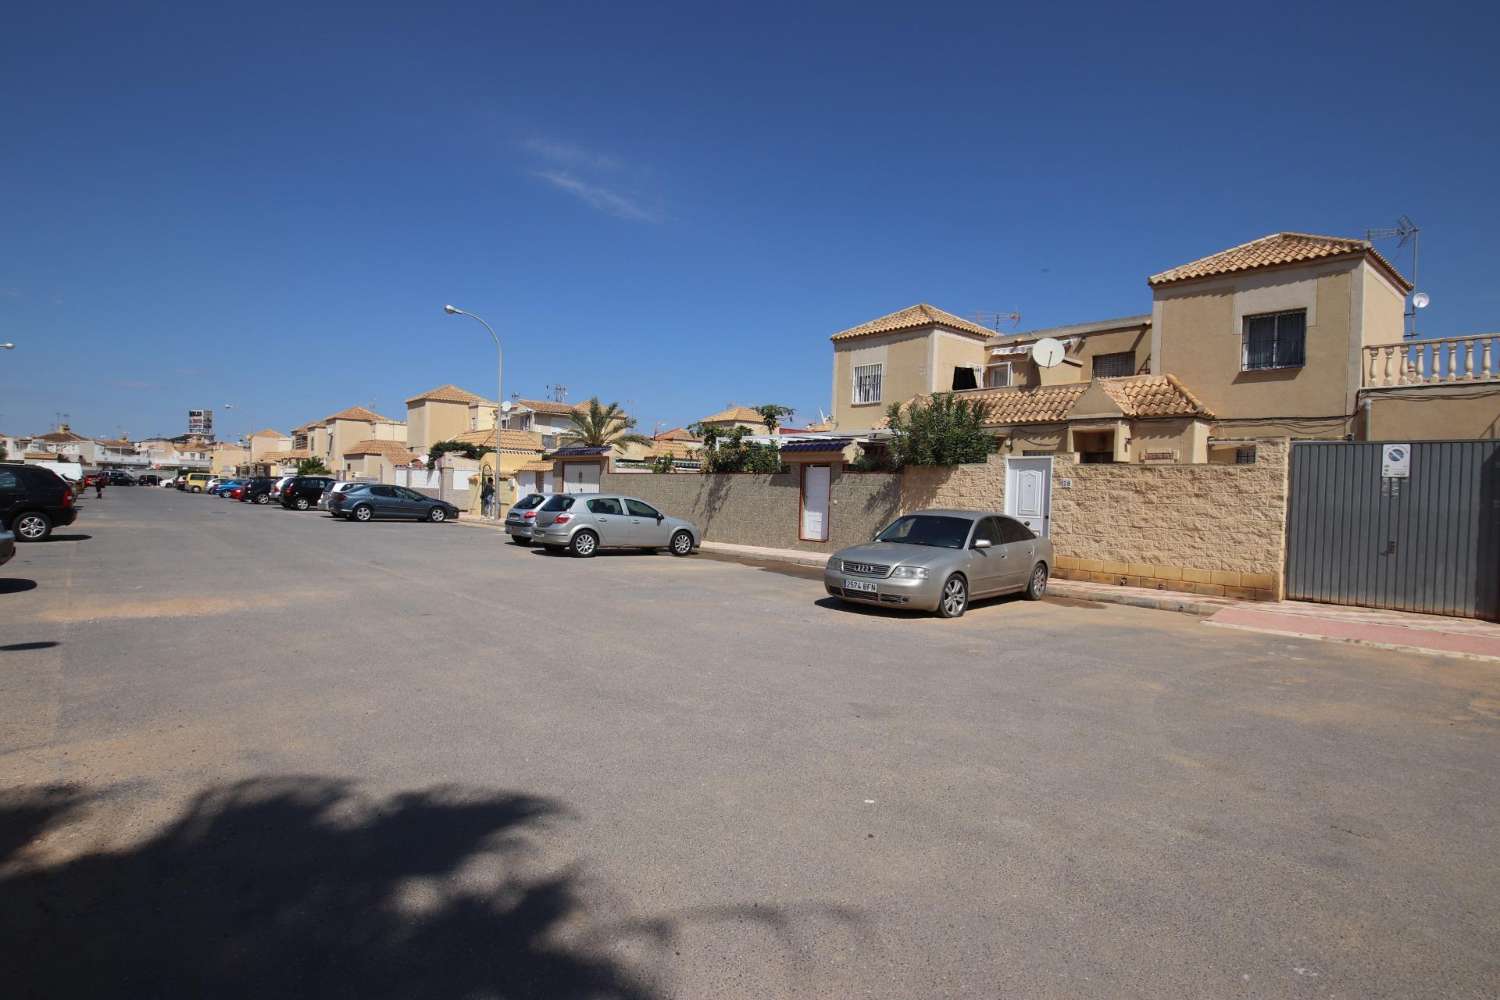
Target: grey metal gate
1429	543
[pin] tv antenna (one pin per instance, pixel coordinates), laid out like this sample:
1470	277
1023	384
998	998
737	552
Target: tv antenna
559	393
995	320
1403	232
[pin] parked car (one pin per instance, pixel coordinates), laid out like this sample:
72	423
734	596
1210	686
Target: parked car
279	485
342	486
147	479
518	519
171	483
219	486
194	482
33	501
584	524
940	560
118	477
303	491
7	547
235	492
256	490
372	501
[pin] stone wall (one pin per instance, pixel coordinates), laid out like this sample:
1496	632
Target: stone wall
1209	529
969	487
765	510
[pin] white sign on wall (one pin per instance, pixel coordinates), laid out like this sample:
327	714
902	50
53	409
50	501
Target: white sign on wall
1395	461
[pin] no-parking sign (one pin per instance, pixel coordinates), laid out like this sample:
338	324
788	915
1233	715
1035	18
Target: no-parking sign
1395	461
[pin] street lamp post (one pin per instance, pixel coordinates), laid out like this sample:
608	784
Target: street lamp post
499	395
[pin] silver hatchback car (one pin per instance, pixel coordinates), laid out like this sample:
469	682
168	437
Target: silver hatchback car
585	523
939	560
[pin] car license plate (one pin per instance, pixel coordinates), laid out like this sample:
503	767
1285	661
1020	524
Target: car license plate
863	586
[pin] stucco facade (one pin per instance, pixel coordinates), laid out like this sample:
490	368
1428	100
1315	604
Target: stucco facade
912	362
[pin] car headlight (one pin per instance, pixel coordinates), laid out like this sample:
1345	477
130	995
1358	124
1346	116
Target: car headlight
910	572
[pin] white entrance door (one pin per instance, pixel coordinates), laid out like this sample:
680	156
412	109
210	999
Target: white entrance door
549	483
814	526
526	483
1028	492
581	477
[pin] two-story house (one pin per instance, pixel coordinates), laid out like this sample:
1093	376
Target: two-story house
1289	335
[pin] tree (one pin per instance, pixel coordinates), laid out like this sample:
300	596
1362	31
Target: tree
662	463
734	454
312	467
771	414
599	426
465	448
944	430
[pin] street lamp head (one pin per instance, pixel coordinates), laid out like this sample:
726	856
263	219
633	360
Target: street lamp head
452	310
7	347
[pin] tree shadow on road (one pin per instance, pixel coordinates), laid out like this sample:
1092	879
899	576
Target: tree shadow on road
296	887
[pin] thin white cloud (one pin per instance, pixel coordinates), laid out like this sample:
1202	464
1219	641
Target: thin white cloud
604	199
569	154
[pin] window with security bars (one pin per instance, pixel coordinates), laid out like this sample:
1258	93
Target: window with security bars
1116	365
867	383
1275	340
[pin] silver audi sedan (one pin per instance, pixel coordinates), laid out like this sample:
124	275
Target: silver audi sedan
585	523
940	560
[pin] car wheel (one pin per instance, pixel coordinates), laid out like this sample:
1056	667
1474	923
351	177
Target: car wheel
263	498
1037	588
955	599
301	503
32	526
363	513
682	543
437	515
197	489
523	542
584	544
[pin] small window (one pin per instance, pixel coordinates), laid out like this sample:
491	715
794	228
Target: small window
1275	340
997	376
988	529
1012	530
638	509
1245	455
867	380
1116	365
963	378
605	505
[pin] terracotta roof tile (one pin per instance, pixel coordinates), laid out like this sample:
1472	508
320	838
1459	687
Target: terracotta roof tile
1136	396
393	450
551	406
270	432
448	394
539	465
359	413
912	318
509	440
1270	251
739	413
677	449
675	434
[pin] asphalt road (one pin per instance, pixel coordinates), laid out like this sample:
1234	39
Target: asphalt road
248	752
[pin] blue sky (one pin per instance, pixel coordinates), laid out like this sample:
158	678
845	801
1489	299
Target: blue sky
674	205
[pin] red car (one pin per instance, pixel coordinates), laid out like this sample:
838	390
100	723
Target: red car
238	493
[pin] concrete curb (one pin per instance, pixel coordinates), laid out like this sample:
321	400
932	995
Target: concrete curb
1166	601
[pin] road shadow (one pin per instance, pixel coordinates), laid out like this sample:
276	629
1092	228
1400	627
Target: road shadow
22	647
11	585
293	887
300	886
73	537
876	611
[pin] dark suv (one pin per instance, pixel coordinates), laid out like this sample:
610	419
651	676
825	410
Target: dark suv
302	492
33	501
118	478
257	490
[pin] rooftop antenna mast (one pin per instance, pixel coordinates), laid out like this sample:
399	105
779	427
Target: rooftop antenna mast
996	320
1403	232
559	393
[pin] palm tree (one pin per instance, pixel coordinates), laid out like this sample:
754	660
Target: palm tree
599	426
771	414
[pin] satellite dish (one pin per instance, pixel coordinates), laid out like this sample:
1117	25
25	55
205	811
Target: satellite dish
1047	352
1421	300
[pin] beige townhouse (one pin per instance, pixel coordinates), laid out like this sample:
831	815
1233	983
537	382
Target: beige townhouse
1290	335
